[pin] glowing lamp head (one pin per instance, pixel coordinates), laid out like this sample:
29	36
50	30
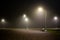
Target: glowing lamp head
40	9
26	19
3	20
55	18
24	16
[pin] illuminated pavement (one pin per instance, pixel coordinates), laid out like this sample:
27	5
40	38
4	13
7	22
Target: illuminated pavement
23	34
35	34
29	31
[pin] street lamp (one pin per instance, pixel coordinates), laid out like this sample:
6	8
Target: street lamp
56	20
42	10
25	18
24	15
2	20
3	23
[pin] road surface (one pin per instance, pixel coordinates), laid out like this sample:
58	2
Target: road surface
23	34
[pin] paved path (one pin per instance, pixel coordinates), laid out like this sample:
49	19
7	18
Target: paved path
23	34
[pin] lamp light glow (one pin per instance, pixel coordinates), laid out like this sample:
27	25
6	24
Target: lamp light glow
40	9
26	19
55	18
3	20
24	16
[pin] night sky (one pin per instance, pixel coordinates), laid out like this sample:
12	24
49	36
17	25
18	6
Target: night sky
12	9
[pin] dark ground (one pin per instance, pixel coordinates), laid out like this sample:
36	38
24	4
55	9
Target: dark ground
6	34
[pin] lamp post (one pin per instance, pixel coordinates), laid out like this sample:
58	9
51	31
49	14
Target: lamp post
3	22
40	9
26	20
56	20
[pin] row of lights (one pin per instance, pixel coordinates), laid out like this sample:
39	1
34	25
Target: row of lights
25	17
55	18
40	9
